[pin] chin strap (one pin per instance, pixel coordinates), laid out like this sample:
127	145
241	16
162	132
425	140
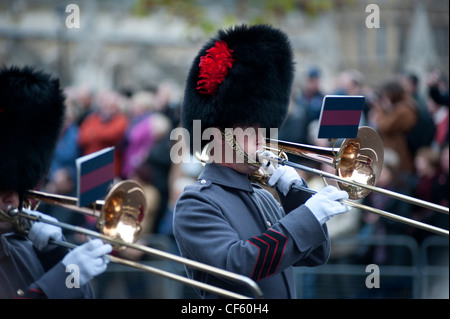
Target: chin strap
231	141
11	215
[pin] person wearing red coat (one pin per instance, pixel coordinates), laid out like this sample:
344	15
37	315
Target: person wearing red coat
104	128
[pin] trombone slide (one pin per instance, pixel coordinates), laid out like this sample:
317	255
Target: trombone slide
281	161
240	279
408	221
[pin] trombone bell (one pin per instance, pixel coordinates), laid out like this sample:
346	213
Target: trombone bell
118	216
123	211
360	160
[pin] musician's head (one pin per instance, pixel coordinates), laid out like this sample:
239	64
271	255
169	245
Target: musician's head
31	116
240	80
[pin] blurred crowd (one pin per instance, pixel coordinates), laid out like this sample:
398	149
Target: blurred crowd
138	124
413	124
410	114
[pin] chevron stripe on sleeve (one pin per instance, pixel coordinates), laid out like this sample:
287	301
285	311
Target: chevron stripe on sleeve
271	246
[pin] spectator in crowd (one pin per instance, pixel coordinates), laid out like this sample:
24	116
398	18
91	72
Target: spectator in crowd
440	114
138	138
430	179
167	102
394	115
411	83
438	88
83	97
442	191
158	161
423	132
293	129
105	127
351	82
67	149
309	101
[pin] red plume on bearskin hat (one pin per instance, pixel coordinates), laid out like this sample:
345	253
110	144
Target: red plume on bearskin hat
31	115
241	77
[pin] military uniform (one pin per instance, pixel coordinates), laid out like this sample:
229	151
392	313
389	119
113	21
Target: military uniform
228	222
32	112
27	273
242	78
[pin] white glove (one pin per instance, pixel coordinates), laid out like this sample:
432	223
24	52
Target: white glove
325	203
90	259
41	232
283	178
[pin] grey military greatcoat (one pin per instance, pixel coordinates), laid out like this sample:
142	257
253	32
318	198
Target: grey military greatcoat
226	221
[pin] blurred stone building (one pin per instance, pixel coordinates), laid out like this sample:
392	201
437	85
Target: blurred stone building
113	47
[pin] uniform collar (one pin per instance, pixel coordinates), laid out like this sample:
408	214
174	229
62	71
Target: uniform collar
225	176
5	242
4	247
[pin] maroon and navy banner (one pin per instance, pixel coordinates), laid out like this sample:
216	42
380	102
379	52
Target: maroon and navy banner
95	175
340	116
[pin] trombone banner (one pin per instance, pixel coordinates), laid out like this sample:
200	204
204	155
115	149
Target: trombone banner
340	116
95	173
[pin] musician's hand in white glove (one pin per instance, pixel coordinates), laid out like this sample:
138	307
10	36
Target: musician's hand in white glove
284	177
326	203
41	232
90	258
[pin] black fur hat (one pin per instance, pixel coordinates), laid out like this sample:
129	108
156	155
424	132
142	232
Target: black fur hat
31	115
241	77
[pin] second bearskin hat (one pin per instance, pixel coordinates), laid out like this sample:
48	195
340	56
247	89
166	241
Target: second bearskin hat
241	77
31	116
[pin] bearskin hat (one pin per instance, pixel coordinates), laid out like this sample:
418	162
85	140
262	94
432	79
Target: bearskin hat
241	77
31	116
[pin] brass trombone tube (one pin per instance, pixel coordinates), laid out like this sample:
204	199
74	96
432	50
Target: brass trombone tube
67	202
325	155
184	280
398	218
163	273
402	197
404	220
240	279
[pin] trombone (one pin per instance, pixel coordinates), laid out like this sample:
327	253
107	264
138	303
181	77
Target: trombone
118	220
358	163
